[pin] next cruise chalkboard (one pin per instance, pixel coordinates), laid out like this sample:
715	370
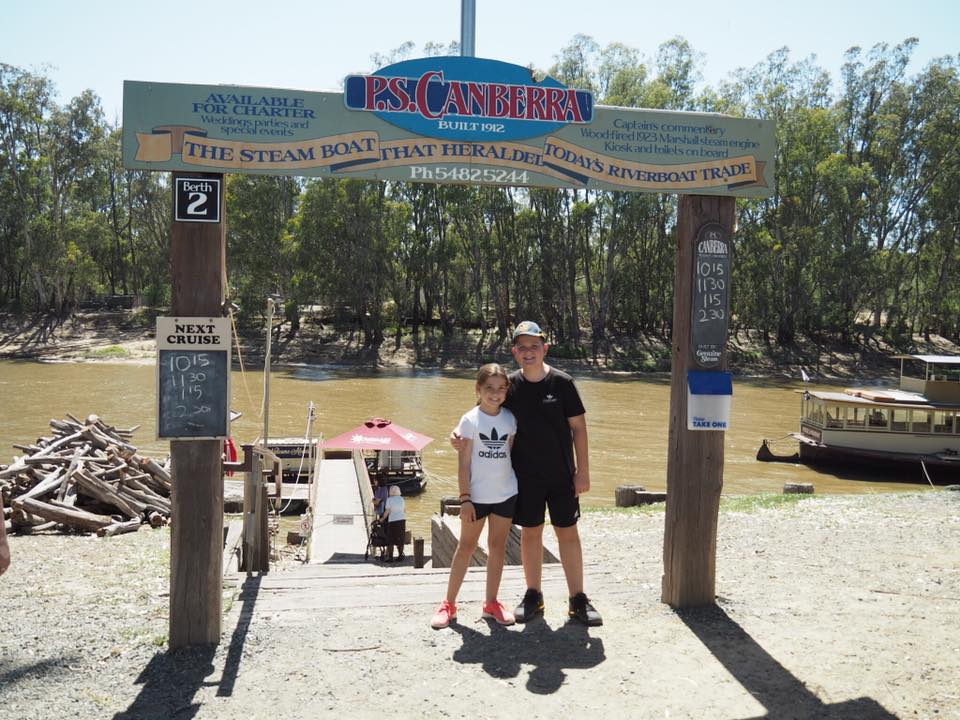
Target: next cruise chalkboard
711	294
193	378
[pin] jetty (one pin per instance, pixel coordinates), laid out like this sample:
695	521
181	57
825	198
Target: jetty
341	508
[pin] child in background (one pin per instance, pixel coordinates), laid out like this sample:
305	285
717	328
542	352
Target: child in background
488	488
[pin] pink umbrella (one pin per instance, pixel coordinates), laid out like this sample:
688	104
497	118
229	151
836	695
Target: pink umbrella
378	434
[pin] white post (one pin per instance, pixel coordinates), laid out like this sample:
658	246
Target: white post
266	373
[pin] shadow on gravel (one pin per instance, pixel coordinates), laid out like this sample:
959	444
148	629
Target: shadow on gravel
770	683
171	679
502	653
52	666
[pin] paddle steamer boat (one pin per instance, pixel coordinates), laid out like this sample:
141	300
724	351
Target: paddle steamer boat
914	424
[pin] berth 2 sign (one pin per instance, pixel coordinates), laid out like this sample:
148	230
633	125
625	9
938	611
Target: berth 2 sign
453	98
197	200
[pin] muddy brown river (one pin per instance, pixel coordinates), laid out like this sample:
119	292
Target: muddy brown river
627	418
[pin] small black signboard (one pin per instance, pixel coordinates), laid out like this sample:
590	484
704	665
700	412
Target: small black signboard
193	378
711	294
197	200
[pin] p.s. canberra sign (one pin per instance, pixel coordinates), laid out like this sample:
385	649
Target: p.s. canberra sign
446	119
455	98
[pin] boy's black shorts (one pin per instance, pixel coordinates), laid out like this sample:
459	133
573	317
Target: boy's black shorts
504	509
536	496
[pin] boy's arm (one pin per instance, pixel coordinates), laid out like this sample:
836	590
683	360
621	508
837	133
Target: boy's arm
578	429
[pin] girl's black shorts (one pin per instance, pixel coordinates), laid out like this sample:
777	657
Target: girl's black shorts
503	509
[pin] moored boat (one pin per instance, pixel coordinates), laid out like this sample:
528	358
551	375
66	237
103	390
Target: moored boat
391	453
914	424
403	468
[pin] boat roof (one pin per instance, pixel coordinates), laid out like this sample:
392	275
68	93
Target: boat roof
932	359
880	397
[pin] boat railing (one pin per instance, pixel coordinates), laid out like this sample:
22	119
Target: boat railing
882	419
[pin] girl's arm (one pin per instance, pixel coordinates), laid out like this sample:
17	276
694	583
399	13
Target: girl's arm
463	480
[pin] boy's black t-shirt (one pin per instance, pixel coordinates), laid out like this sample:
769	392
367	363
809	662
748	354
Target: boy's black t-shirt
543	448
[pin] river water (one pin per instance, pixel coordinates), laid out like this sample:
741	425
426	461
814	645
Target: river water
627	418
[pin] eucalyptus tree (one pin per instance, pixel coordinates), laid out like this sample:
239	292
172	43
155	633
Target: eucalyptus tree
345	236
936	104
778	236
261	247
26	101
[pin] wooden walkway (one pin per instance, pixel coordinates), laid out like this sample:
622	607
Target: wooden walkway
302	591
339	532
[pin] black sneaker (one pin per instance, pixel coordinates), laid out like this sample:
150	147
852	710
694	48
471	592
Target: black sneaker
530	607
582	610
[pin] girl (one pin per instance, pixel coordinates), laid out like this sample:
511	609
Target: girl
488	488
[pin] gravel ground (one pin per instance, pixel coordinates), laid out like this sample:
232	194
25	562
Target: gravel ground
833	607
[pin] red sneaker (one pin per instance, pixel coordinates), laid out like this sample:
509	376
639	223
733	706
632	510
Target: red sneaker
495	609
445	614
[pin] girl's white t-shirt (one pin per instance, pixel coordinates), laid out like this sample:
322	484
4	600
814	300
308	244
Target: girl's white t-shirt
492	479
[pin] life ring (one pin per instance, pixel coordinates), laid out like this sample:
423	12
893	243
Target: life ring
229	453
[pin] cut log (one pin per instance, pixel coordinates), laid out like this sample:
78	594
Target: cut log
626	495
18	465
118	528
152	467
47	485
104	492
796	487
66	516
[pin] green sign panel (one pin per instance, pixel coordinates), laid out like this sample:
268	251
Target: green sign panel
233	129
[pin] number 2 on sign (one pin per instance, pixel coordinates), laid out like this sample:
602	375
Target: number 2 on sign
705	315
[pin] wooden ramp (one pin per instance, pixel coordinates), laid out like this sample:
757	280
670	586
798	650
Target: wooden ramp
304	591
339	532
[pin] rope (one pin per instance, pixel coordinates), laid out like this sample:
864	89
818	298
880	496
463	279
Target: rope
303	456
236	344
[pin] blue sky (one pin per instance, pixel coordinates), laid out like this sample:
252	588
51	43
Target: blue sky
313	45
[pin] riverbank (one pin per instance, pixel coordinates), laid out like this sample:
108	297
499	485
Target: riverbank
128	337
828	607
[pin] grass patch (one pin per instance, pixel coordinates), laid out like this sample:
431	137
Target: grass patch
111	351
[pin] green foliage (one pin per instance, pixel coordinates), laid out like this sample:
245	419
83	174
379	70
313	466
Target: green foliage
858	239
109	352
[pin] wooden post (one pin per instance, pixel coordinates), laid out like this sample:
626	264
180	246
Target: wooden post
197	262
249	559
695	459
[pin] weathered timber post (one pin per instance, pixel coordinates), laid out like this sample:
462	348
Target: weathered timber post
197	261
695	459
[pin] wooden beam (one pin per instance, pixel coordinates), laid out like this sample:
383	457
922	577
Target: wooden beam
197	268
695	459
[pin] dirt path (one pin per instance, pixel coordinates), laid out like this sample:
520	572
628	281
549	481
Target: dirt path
844	607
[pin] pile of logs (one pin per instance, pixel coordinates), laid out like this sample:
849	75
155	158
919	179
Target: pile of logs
86	477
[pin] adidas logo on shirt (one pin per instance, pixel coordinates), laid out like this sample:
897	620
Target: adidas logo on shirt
494	443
